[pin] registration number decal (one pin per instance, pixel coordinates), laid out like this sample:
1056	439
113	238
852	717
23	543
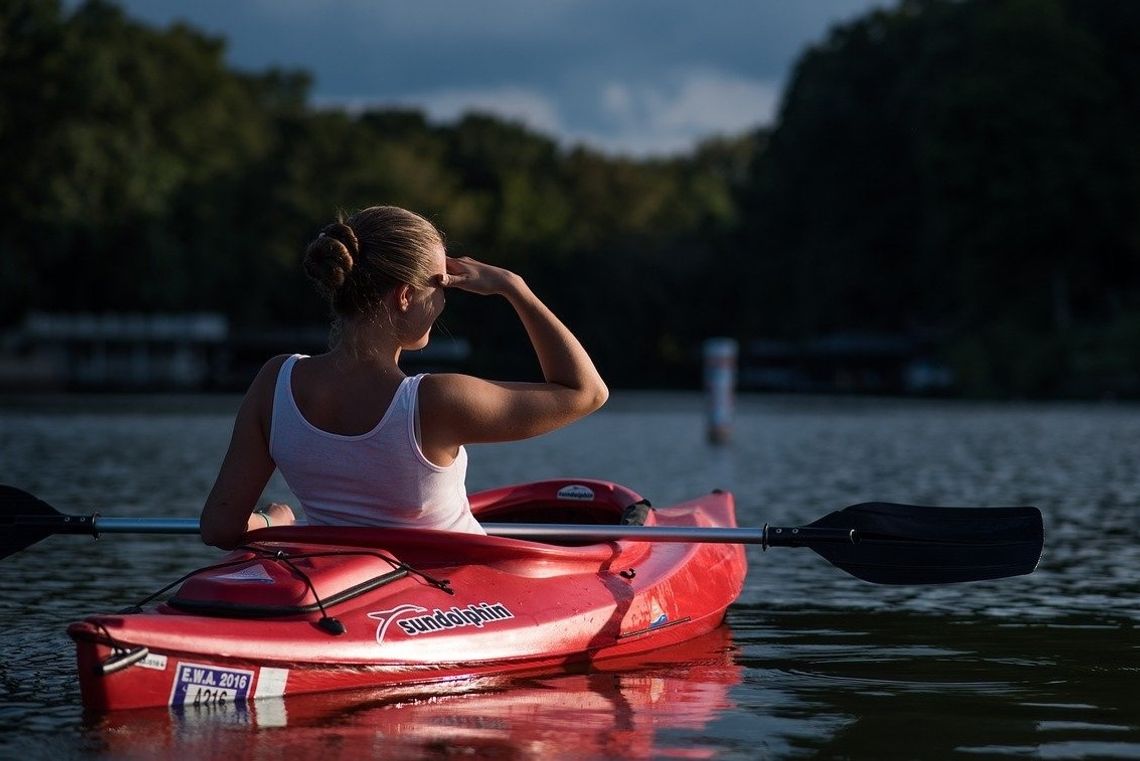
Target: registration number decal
156	661
198	685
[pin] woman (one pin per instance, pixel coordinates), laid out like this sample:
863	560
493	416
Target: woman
359	442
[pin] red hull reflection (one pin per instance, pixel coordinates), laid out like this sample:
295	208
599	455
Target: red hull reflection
616	710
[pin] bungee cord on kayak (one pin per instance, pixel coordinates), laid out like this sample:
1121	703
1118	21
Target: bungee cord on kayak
326	622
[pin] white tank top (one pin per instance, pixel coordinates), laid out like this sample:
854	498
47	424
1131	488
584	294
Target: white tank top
379	478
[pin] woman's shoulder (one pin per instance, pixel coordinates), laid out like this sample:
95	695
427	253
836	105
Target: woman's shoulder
449	398
258	402
446	387
265	381
270	370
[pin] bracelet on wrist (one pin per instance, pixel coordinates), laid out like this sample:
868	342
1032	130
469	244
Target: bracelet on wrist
264	515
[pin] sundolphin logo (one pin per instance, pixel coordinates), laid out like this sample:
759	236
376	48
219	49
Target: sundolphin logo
385	617
476	614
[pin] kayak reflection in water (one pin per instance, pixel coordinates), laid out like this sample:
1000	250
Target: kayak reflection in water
358	441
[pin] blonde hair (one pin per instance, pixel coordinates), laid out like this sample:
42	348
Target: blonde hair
356	261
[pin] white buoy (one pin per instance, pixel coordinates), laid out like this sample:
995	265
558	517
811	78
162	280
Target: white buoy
720	386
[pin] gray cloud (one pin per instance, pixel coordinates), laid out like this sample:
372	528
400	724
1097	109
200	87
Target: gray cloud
639	76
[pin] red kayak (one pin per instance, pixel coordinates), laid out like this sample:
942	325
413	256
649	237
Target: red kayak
316	609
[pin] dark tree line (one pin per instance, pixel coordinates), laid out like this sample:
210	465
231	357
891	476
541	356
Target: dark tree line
962	171
968	171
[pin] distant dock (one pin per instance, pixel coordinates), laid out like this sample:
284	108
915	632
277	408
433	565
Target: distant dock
843	363
161	352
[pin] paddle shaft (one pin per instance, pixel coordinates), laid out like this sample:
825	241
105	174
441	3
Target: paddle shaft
766	536
880	542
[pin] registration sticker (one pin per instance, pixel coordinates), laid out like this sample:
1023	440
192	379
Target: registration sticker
156	661
198	685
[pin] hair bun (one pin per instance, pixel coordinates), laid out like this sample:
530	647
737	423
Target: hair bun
345	235
331	257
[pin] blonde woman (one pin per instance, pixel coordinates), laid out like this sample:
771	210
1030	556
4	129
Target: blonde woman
358	441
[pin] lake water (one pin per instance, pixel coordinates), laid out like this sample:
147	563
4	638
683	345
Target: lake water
810	663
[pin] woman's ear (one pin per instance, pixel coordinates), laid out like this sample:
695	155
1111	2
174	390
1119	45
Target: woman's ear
399	299
404	297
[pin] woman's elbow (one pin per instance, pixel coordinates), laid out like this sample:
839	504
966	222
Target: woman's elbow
593	397
219	536
601	395
221	541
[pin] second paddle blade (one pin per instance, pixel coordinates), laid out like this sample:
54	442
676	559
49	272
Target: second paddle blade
24	520
906	544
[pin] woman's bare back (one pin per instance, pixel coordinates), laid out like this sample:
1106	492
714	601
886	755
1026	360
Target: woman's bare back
348	399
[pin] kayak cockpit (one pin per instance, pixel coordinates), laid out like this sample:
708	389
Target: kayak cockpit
294	570
572	502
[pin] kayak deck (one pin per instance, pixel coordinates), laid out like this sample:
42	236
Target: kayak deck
315	609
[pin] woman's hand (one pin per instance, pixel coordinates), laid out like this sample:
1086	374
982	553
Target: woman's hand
466	274
278	514
462	409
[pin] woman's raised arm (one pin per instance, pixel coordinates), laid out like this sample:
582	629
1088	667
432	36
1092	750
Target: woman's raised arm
460	409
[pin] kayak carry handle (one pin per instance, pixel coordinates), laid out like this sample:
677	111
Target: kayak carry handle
120	660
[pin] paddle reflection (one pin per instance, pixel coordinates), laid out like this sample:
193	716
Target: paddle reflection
612	711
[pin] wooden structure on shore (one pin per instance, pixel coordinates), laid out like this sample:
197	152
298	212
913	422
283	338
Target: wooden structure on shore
160	352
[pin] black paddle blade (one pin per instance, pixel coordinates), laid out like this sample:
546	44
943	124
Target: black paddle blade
905	544
25	520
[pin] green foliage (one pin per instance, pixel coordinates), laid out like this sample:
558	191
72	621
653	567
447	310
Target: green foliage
106	125
139	172
961	170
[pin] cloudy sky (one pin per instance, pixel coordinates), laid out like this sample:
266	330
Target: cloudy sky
628	76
